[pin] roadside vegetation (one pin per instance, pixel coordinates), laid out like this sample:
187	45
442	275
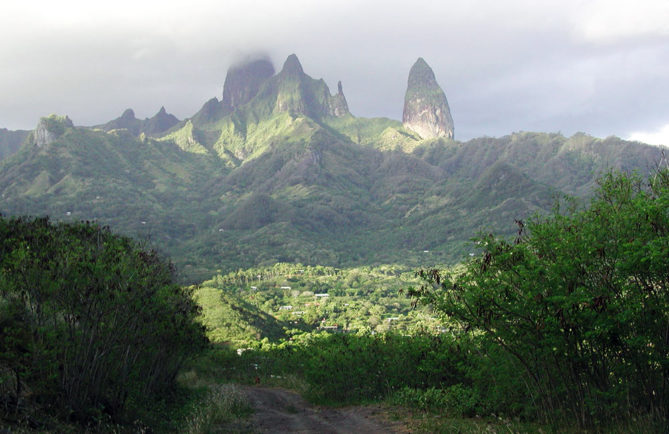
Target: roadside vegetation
93	330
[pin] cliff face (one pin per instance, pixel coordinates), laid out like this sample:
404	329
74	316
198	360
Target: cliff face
292	92
243	82
49	129
338	105
426	109
299	93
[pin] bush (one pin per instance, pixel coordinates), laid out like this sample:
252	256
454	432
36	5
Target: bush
580	302
456	400
347	368
90	321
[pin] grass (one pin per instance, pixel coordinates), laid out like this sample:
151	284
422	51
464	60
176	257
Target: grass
222	403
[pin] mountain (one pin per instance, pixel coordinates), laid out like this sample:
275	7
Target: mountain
159	123
243	82
10	141
280	171
426	109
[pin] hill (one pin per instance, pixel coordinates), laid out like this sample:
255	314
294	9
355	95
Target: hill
10	141
279	170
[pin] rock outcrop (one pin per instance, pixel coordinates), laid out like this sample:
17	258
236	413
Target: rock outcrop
292	94
161	122
49	129
338	105
299	93
426	110
253	89
126	121
243	81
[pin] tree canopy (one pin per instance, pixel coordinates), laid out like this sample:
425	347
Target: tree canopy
89	321
579	300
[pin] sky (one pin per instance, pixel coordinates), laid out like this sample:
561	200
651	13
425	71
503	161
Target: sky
599	67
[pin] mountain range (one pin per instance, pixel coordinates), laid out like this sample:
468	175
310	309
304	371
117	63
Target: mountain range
279	169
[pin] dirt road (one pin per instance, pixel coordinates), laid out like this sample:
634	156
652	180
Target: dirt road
282	411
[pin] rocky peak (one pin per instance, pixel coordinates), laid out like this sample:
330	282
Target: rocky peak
243	82
127	121
161	122
293	93
50	128
128	114
338	104
296	92
426	108
292	67
210	112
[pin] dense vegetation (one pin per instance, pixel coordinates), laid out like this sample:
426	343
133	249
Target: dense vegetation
92	327
10	141
274	303
345	193
564	324
579	304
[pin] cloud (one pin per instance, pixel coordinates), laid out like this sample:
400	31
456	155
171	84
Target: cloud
658	136
570	65
610	21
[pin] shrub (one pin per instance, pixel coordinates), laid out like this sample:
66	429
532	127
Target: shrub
456	400
580	301
90	321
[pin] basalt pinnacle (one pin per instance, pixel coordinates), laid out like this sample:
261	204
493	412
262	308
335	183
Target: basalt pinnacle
298	93
426	109
243	82
338	105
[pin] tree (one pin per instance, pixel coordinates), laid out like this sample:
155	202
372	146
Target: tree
580	299
105	323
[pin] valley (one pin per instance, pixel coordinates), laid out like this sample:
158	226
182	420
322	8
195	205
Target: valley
273	241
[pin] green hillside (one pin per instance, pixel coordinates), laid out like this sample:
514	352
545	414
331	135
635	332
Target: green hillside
10	141
282	172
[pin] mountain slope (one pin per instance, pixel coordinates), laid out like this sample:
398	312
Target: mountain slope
10	141
279	173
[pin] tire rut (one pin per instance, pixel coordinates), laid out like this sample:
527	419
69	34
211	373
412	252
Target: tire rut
283	411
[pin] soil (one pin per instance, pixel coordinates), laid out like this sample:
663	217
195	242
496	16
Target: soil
283	411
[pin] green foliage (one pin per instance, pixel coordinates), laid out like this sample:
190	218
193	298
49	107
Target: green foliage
337	191
91	323
222	403
56	124
246	306
230	319
580	302
354	368
455	400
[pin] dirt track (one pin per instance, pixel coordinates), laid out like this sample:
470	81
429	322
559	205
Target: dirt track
282	411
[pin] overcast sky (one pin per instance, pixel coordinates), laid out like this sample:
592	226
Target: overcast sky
601	67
